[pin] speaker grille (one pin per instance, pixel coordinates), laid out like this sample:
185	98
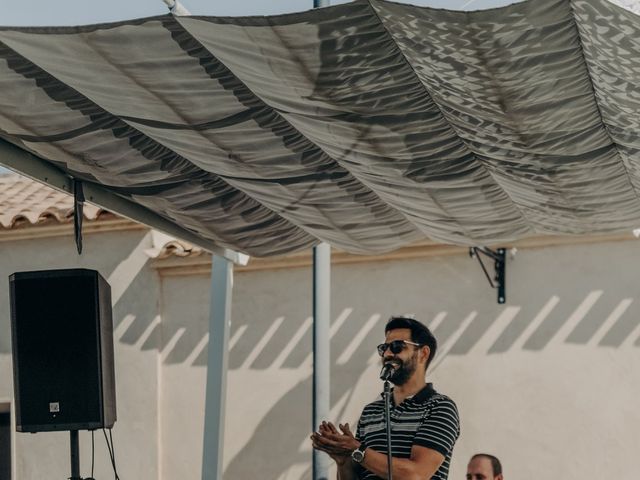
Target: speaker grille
57	349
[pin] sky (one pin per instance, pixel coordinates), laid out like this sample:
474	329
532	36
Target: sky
82	12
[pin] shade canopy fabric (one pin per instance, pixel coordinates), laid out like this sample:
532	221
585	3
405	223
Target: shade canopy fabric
368	125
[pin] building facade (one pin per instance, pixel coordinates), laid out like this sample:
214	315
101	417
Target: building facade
547	381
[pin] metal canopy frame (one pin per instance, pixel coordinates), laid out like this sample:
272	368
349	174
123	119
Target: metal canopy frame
40	170
221	293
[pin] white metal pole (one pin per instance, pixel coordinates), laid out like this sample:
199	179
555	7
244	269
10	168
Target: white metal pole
321	349
321	338
176	8
217	361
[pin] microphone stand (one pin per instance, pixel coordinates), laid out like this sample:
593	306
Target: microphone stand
387	419
388	369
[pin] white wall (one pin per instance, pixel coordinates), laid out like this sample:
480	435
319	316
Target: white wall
547	382
552	392
119	257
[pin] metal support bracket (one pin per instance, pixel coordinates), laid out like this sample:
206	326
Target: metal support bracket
499	258
78	204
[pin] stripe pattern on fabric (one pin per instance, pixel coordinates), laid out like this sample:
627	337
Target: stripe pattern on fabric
428	419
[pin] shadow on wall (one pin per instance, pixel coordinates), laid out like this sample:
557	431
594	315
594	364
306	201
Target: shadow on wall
285	341
131	281
354	338
351	351
135	313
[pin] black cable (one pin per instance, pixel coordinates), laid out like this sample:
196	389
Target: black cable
107	441
113	462
111	453
93	455
108	446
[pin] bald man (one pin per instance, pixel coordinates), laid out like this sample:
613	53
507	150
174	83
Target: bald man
483	466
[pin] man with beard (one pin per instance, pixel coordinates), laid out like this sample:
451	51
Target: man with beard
424	423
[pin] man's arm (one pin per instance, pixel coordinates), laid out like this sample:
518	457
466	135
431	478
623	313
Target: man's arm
423	464
346	471
434	439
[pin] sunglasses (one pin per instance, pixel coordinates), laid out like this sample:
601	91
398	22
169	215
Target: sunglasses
396	346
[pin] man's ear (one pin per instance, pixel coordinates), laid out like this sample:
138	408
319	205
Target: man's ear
499	477
426	351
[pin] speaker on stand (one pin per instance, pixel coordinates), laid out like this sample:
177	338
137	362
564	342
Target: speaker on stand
62	347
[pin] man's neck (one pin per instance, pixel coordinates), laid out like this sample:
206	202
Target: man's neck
413	386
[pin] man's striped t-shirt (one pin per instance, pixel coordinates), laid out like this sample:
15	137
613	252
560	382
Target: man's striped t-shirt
428	419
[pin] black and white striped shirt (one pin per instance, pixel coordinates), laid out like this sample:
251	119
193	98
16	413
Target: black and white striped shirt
428	419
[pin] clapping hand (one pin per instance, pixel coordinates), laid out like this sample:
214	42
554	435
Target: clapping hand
337	444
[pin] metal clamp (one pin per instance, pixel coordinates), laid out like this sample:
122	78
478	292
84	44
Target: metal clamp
78	204
500	261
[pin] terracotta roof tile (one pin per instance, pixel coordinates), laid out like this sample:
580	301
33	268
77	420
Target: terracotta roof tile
26	202
164	246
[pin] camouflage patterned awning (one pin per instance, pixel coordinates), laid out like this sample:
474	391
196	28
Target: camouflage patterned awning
367	125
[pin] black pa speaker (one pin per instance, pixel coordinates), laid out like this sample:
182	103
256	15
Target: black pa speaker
62	338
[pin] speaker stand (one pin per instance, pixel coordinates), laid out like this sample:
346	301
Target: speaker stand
75	455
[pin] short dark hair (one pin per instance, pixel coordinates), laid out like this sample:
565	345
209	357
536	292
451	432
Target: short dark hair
419	333
496	466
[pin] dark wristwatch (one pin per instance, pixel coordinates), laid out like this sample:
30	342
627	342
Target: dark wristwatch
358	454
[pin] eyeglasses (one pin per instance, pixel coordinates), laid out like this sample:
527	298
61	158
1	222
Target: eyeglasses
396	346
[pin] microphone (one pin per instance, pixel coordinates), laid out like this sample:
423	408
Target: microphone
388	369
